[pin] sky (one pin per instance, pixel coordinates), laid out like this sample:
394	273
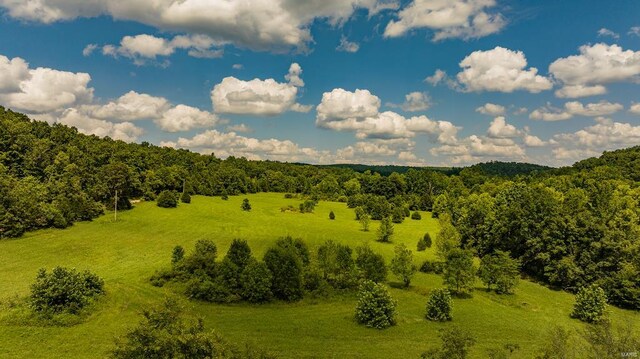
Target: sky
418	82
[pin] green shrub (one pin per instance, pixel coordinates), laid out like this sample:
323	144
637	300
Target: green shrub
439	305
375	308
246	206
342	199
385	231
202	260
177	255
371	265
402	264
64	290
239	253
459	273
208	290
336	264
332	215
456	343
397	215
288	195
256	280
285	264
163	333
424	242
590	305
166	199
228	275
416	215
430	266
307	206
185	198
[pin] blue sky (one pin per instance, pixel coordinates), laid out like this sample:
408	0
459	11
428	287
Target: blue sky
548	82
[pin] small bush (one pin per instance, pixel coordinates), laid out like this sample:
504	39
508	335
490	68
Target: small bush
166	199
208	290
385	231
456	343
288	195
255	280
439	305
307	206
416	215
375	308
590	305
246	206
397	215
185	198
430	266
371	265
177	255
64	290
424	242
332	215
149	196
342	199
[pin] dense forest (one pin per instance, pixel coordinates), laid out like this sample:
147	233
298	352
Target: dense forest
569	227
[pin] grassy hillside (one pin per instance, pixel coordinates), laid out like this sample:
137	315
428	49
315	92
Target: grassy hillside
127	252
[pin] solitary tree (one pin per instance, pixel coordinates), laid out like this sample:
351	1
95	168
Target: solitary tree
590	305
459	273
402	264
375	308
246	206
185	197
385	231
365	219
499	270
424	242
439	305
332	216
166	199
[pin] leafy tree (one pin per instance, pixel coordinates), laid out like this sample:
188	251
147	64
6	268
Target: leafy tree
559	344
416	216
424	242
397	215
371	265
448	238
285	264
590	305
385	231
256	281
163	333
459	272
166	199
239	253
332	215
439	305
177	255
185	197
64	290
202	260
375	308
456	343
246	206
336	264
402	264
307	206
499	270
364	222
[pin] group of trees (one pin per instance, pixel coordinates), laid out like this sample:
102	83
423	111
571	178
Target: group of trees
287	271
64	290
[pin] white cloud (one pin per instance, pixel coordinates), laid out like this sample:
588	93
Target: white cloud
258	25
499	128
42	89
242	128
604	32
125	131
575	108
533	141
339	105
635	30
142	48
476	148
131	106
413	102
491	109
596	65
259	97
501	70
520	111
465	19
437	77
237	66
347	46
89	49
635	108
185	118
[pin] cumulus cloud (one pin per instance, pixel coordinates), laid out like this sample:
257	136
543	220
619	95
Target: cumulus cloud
491	109
259	25
635	108
477	148
413	102
465	19
597	65
604	32
259	97
185	118
42	89
499	128
131	106
438	77
125	131
358	111
500	70
347	46
242	128
575	108
143	49
533	141
89	49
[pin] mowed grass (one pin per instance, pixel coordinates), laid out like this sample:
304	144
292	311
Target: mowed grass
127	252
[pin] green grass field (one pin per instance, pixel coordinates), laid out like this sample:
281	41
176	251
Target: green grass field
127	252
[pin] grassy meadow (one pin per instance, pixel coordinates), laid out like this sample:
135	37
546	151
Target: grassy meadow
127	252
